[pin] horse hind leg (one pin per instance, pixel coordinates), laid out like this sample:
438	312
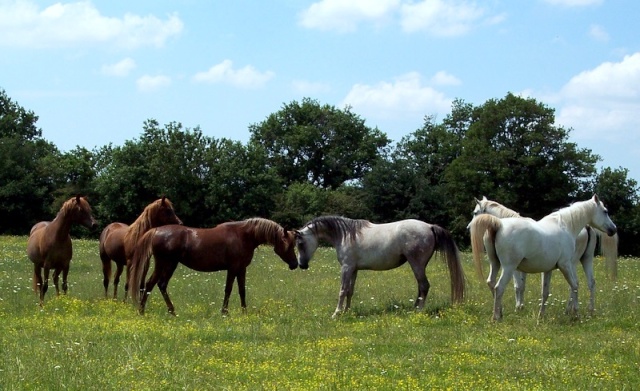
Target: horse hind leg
519	283
56	280
116	280
569	273
37	279
65	274
419	271
44	286
163	283
587	266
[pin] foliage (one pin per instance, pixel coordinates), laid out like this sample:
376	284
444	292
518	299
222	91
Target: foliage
287	340
307	142
513	152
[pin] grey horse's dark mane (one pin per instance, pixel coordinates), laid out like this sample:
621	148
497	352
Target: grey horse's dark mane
337	227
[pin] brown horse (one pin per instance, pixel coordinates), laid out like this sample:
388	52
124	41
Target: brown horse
49	244
117	240
229	246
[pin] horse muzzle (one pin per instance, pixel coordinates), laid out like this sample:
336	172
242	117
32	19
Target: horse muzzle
612	231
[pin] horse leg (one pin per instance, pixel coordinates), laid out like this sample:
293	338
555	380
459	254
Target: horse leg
116	281
242	279
546	282
345	288
65	274
153	280
505	277
494	268
228	288
519	283
423	283
56	275
37	280
352	285
106	272
569	272
45	285
587	266
163	284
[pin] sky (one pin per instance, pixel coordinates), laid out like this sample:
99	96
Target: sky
94	71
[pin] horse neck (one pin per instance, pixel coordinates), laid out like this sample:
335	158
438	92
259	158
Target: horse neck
576	216
61	224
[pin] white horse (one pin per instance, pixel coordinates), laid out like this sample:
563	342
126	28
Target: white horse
586	243
536	246
362	245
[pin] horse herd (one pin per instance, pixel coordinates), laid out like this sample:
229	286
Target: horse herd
514	244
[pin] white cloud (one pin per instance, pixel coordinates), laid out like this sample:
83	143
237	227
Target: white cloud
24	24
119	69
443	78
406	95
441	18
603	102
574	3
148	83
247	77
344	15
598	33
310	88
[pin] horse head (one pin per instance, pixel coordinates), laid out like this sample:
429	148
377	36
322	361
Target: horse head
285	248
162	213
80	212
307	243
601	219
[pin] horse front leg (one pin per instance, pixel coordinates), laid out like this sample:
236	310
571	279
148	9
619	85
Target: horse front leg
352	285
546	283
106	273
65	274
345	288
228	288
56	275
45	286
587	266
242	280
569	272
519	283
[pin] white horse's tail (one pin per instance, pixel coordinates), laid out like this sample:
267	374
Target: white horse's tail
609	249
480	225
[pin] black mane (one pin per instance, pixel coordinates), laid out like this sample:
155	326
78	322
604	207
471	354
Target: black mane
337	227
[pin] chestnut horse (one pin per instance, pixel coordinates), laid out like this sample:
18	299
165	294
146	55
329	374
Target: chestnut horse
228	246
117	240
49	245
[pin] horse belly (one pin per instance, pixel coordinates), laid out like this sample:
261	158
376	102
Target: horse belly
380	261
537	265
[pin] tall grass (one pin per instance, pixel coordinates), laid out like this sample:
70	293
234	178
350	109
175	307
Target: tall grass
287	339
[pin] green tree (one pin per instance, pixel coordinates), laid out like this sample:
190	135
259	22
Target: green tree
27	175
512	152
308	142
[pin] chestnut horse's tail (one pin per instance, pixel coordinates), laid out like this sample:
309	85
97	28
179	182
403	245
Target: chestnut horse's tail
447	248
140	263
480	225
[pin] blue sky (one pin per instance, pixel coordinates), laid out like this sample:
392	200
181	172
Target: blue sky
94	71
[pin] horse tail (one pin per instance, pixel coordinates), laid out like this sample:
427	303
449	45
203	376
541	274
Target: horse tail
480	225
447	248
609	249
139	263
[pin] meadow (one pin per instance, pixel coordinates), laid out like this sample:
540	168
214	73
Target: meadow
287	340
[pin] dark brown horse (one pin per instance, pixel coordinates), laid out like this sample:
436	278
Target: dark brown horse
229	246
49	244
117	240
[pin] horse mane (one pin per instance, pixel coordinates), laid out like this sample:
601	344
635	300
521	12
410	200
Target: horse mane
338	227
143	223
69	204
504	211
572	216
264	229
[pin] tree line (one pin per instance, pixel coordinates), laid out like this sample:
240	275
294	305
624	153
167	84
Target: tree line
310	159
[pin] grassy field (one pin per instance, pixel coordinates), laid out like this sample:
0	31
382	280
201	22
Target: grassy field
287	340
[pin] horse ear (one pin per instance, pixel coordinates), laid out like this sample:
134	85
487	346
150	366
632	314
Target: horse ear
162	202
484	198
476	200
78	198
596	199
